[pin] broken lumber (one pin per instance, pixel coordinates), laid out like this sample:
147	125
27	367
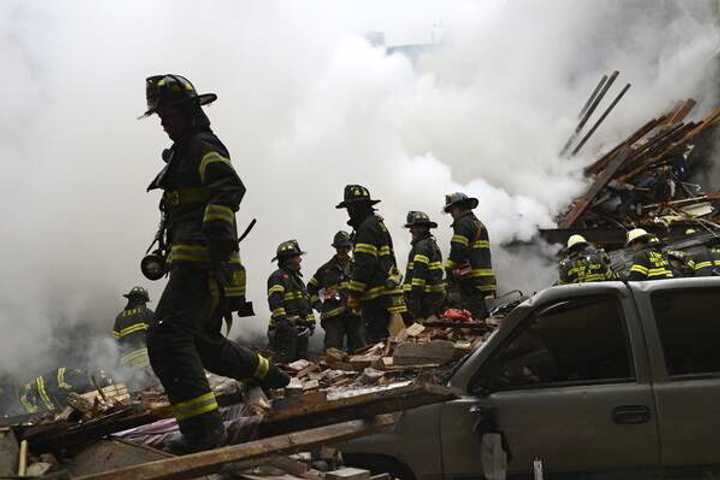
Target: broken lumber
437	351
191	466
600	182
301	415
66	435
9	451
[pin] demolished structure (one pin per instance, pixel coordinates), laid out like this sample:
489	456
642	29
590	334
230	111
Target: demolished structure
111	433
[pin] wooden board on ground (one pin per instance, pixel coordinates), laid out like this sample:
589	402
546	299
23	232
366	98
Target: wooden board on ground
212	461
437	351
378	400
348	473
9	450
60	436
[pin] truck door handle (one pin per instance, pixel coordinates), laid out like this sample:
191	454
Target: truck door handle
631	414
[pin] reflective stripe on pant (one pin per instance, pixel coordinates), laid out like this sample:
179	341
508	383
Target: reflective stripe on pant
185	340
136	358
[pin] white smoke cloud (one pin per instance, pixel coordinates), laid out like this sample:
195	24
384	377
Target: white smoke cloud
306	106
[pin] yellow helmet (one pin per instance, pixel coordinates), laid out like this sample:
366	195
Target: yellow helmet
635	234
575	240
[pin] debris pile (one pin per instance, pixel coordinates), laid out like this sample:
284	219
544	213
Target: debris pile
644	181
337	396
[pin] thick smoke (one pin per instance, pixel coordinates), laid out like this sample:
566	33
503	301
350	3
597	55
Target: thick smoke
306	105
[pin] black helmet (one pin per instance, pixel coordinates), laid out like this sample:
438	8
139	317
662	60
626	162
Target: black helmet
356	194
459	199
342	239
170	89
287	249
416	218
138	292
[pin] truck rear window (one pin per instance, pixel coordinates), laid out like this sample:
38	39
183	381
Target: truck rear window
689	326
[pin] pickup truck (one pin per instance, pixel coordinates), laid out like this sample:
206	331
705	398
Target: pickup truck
597	380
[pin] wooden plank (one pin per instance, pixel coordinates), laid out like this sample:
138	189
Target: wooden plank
203	463
67	435
682	111
9	451
603	162
437	351
348	473
600	182
398	399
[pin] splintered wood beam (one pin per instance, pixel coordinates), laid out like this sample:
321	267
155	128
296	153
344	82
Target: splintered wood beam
600	182
366	405
602	163
212	461
682	111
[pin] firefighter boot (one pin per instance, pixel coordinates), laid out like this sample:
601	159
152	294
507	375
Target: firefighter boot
198	434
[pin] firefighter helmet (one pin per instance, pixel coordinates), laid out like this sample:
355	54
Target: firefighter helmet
287	249
576	240
690	231
637	234
419	219
170	89
356	194
459	199
342	239
138	292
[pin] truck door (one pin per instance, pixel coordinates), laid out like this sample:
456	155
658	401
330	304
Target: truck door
684	336
570	386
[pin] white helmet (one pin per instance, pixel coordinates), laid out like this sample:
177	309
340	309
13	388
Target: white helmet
575	240
636	234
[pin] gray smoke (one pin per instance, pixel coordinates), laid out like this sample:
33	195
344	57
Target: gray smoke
306	105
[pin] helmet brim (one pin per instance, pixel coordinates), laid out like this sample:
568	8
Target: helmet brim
644	236
203	99
341	245
471	202
421	224
280	257
346	203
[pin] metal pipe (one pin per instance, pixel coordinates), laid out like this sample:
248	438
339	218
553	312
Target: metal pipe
592	96
600	120
589	112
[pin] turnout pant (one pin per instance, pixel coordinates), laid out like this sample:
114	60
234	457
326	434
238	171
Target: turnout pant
286	343
473	300
184	340
376	318
341	326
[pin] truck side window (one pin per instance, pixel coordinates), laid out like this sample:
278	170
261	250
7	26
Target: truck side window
689	329
574	342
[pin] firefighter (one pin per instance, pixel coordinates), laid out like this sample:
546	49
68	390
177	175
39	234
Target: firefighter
331	281
469	267
584	262
424	287
201	193
649	262
707	260
50	391
292	320
129	331
375	281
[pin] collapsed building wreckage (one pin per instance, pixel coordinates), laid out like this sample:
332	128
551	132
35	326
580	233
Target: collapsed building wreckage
645	181
112	433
